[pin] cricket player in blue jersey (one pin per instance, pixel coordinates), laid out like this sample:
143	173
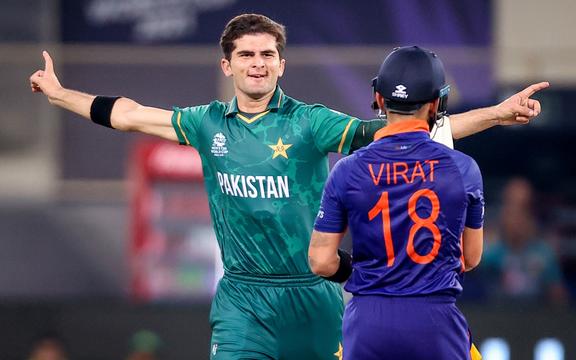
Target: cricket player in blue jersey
415	210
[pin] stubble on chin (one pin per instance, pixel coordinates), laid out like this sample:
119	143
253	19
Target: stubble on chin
258	93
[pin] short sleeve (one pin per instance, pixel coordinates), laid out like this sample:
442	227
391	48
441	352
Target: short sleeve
474	195
332	130
332	216
186	123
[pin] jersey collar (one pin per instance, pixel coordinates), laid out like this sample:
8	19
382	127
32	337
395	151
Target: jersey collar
402	126
275	103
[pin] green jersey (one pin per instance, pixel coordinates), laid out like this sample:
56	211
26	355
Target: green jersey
264	177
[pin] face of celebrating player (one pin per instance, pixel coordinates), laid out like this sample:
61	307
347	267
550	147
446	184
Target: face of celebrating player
255	66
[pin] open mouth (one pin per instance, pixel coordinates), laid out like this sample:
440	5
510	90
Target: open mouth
257	76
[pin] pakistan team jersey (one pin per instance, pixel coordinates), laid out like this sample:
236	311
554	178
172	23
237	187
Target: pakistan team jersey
406	200
264	177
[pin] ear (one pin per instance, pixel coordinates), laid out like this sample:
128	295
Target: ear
282	67
226	67
380	101
433	110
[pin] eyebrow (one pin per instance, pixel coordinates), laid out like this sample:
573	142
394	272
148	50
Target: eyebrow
250	52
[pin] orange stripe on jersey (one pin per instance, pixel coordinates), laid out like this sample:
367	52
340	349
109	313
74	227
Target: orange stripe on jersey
402	126
344	136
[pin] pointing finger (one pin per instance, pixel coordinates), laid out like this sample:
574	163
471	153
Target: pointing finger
534	88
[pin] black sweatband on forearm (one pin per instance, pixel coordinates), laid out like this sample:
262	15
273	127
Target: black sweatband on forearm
101	110
364	134
344	268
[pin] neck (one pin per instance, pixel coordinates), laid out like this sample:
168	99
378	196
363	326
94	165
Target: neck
251	105
421	114
396	118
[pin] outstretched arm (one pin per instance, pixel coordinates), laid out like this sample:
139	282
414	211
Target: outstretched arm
126	115
516	110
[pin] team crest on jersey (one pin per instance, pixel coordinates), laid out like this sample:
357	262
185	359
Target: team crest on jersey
219	145
280	149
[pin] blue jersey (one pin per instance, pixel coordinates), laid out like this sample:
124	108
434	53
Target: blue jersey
406	200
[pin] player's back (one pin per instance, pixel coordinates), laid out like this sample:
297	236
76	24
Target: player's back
406	201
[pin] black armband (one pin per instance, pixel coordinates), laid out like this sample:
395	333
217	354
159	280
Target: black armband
344	268
364	134
101	109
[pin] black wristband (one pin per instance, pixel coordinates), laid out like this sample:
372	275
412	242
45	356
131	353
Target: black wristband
344	268
101	109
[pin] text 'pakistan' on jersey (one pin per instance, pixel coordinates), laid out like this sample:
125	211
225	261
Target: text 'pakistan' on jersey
264	176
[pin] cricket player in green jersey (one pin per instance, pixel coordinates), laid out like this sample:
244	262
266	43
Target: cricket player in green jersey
264	157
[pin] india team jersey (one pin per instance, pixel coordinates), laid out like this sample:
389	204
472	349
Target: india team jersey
264	177
406	200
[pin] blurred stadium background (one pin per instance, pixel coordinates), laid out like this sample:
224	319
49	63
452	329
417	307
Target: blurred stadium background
105	244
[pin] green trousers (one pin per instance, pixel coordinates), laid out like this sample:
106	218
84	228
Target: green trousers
296	318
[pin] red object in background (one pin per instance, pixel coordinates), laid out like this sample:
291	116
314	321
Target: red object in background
173	252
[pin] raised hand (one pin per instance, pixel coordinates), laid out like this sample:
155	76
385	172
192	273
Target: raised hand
520	108
45	81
